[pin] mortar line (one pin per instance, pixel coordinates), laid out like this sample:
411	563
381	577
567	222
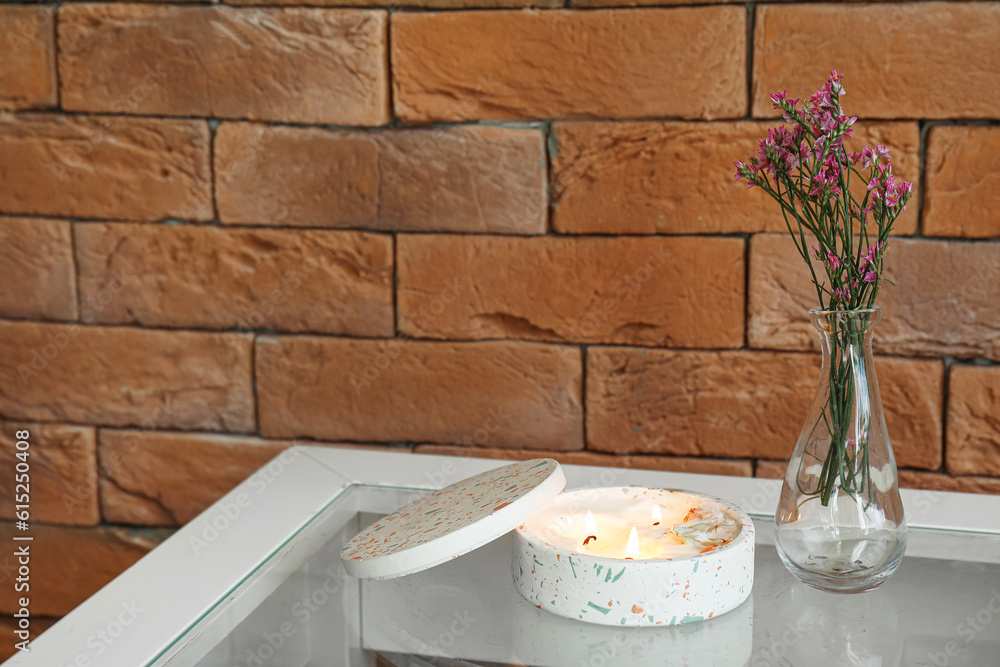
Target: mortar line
751	27
57	53
583	394
78	293
253	380
925	130
395	285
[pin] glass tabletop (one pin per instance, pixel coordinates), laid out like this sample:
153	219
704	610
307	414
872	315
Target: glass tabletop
300	609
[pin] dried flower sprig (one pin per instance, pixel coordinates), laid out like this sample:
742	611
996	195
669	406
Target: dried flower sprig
805	167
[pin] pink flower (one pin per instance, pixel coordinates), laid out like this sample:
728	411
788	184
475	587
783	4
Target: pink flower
867	157
875	251
870	258
870	276
834	82
782	101
842	294
816	252
747	172
833	261
897	191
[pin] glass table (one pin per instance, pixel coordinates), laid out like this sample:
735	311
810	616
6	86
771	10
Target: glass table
256	581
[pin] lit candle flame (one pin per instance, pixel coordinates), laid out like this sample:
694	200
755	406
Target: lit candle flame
591	525
632	548
656	514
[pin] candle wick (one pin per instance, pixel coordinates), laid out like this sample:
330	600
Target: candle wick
656	523
589	538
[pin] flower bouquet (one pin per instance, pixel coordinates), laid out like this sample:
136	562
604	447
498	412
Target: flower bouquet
840	522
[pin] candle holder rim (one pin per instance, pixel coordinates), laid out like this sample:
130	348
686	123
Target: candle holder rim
740	538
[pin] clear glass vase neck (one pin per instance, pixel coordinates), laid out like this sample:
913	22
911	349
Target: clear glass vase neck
840	323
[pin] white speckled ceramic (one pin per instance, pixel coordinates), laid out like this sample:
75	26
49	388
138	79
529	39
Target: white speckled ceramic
453	521
609	591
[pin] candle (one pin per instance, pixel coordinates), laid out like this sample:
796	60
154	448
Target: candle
632	546
666	526
633	556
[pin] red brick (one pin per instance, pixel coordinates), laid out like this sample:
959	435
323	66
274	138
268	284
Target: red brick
62	464
36	256
27	58
677	178
909	479
617	461
771	469
625	290
741	404
68	565
188	276
921	60
710	30
442	4
290	65
111	167
120	376
962	194
944	302
152	478
500	394
683	62
465	179
973	435
912	399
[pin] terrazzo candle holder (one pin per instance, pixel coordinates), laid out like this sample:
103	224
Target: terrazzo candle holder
695	563
624	556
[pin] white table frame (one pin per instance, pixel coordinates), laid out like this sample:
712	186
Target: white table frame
177	584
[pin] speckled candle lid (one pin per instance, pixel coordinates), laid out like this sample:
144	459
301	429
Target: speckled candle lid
453	521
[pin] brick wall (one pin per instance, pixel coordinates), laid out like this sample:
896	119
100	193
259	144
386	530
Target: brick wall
224	228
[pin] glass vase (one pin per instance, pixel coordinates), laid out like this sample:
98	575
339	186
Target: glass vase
840	525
